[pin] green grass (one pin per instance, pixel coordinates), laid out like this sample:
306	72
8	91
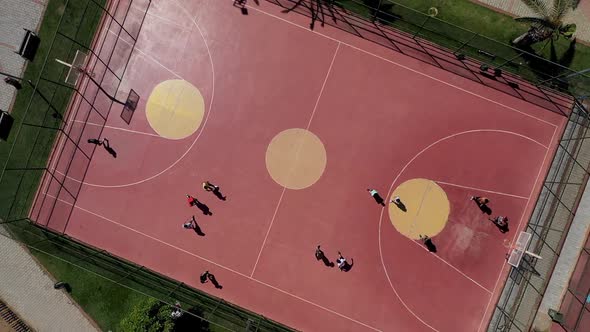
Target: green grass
461	21
105	301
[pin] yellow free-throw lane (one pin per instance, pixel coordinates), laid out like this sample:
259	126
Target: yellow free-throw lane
175	109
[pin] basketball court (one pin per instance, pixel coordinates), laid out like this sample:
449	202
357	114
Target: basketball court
294	126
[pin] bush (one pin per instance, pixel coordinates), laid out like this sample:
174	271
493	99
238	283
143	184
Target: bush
150	315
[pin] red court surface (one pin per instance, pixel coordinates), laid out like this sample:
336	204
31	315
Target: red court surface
383	118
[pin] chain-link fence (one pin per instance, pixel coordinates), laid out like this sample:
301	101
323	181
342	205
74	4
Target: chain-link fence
517	71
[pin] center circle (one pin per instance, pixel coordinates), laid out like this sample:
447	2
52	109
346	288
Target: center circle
175	109
425	209
296	158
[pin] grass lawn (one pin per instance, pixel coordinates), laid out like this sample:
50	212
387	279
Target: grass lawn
458	21
104	301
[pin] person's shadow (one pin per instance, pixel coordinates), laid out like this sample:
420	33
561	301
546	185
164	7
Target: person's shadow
485	209
214	281
320	256
197	229
204	208
401	206
109	149
348	266
430	245
219	195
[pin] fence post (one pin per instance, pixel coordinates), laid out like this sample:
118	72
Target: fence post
465	43
421	27
377	11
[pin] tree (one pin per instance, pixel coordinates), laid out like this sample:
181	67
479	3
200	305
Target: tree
549	22
149	315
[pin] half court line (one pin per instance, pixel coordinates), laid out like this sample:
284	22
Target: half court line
297	153
219	265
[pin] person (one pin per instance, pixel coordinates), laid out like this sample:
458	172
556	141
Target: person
500	221
176	311
319	254
191	200
341	261
375	194
95	141
204	276
190	224
396	200
480	201
208	186
428	243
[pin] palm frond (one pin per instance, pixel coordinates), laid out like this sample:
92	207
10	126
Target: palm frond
538	6
559	9
535	20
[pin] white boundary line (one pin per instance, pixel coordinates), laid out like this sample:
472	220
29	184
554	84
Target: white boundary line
296	156
401	66
118	128
480	189
219	265
517	231
390	191
202	126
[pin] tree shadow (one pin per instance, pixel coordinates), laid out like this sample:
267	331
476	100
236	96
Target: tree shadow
192	321
555	66
381	11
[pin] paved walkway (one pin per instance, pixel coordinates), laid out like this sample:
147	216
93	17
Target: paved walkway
14	16
28	291
580	16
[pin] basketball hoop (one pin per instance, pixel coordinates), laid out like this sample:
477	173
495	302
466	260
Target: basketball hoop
519	250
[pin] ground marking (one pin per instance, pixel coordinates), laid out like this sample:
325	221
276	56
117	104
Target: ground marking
296	157
480	189
219	265
390	191
401	66
517	232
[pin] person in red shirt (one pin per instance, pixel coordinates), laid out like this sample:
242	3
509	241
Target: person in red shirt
191	200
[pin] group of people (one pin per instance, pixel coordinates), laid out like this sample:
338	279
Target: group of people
500	221
342	263
482	202
192	224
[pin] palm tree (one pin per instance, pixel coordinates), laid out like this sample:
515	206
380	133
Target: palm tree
548	23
